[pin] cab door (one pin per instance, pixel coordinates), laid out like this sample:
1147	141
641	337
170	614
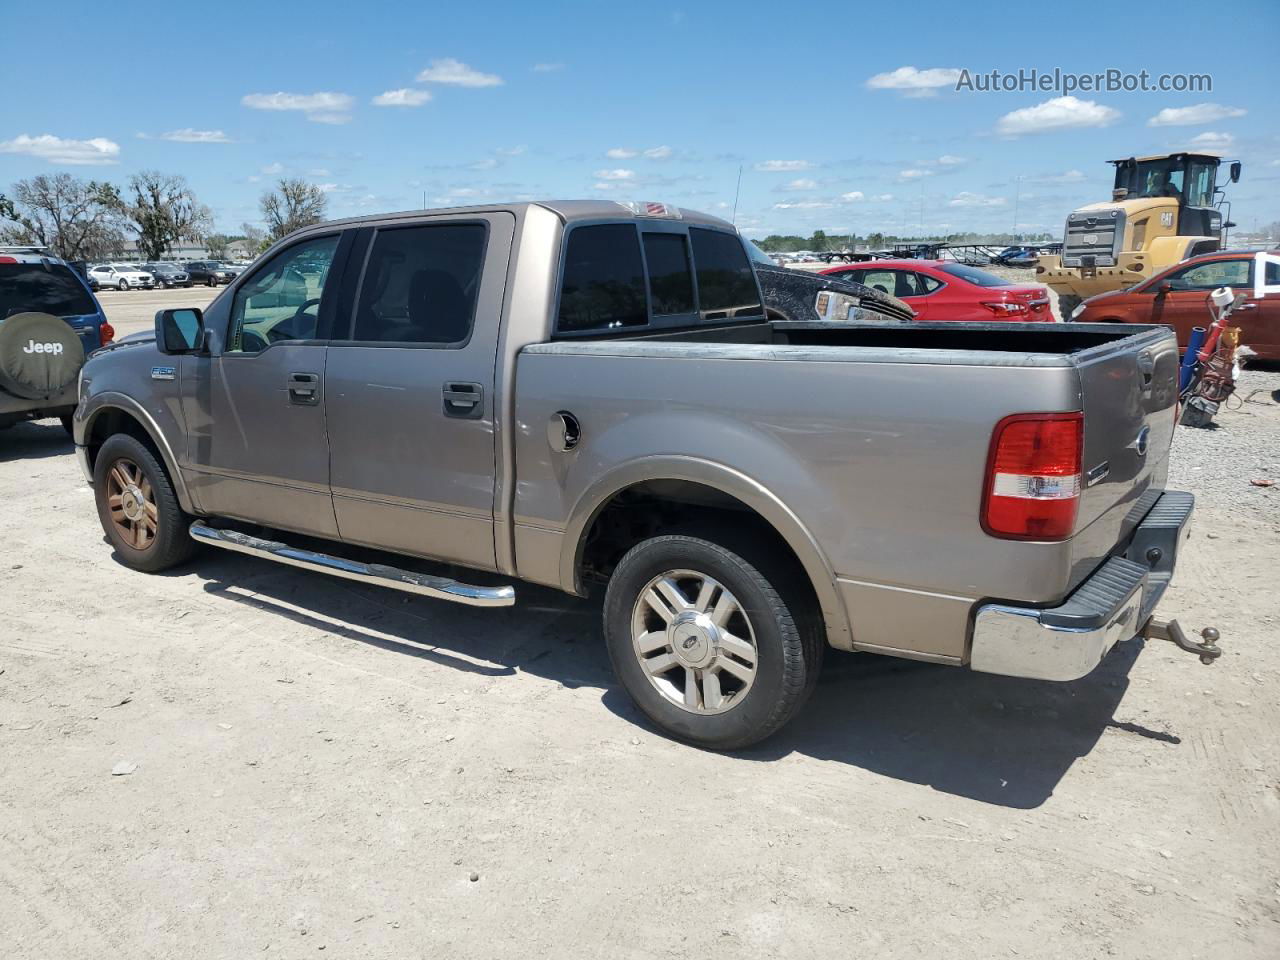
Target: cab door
257	441
410	404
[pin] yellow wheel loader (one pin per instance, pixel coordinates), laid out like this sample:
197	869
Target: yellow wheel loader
1162	210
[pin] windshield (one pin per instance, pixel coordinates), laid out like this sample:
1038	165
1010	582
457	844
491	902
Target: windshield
977	277
759	256
42	288
1169	177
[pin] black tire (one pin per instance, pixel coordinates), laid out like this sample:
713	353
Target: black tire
67	421
789	640
212	282
1067	303
171	544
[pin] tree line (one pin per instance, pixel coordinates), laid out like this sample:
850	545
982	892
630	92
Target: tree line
80	219
822	241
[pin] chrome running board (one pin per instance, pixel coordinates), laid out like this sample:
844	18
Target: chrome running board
422	584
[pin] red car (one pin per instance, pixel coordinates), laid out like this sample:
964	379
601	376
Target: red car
943	290
1179	298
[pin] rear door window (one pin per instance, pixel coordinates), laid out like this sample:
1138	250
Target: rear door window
603	286
670	275
726	282
42	288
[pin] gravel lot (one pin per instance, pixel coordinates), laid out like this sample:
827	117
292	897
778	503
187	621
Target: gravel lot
314	768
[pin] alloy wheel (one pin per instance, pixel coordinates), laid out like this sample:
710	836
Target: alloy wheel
131	503
694	642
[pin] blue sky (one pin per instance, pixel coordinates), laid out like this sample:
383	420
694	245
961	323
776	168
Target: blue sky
842	117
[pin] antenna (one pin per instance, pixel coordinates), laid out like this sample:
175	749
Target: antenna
1017	194
736	191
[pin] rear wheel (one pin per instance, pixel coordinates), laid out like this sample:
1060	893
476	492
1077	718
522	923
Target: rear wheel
713	651
1066	304
137	507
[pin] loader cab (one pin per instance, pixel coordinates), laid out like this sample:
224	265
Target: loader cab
1189	179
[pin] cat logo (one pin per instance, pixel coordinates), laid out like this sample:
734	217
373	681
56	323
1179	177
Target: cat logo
1166	219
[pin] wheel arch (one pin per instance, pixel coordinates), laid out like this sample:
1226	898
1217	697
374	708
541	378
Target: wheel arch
108	414
683	481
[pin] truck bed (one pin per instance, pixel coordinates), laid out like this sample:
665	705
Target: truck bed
877	438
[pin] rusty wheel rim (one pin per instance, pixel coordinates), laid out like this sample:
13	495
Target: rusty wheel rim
131	504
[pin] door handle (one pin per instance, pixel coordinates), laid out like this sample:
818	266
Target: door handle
463	400
304	388
1146	366
1247	306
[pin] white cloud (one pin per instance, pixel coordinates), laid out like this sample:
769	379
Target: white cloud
321	107
802	183
914	174
783	166
547	67
455	73
1070	176
1193	115
188	135
1060	113
485	163
883	197
658	153
914	82
853	196
802	205
511	151
949	160
1212	142
326	187
271	169
403	97
93	152
618	173
621	153
966	199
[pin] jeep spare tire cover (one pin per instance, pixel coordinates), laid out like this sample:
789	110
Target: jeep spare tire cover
39	355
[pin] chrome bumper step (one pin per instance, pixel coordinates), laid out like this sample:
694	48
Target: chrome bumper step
441	588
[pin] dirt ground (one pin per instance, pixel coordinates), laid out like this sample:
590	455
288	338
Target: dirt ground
326	769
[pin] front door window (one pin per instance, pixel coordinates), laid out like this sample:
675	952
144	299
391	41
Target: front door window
281	301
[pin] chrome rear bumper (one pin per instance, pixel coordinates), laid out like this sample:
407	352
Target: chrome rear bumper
1067	641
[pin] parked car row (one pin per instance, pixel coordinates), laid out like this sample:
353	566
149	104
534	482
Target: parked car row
945	291
166	274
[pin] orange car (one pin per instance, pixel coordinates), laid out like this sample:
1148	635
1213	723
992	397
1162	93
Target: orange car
1179	298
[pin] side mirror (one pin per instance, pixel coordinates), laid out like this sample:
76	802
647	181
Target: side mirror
181	331
1235	171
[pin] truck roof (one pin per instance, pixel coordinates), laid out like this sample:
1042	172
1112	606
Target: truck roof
569	211
1211	157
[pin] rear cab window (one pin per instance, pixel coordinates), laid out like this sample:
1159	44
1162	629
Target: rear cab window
43	288
619	277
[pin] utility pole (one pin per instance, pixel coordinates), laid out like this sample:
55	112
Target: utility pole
1017	195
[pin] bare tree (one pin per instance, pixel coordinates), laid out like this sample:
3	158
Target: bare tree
77	219
163	212
255	238
291	204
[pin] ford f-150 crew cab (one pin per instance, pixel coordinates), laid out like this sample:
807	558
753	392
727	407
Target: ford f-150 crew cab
593	394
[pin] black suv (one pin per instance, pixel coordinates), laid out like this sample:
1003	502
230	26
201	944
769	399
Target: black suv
209	272
168	274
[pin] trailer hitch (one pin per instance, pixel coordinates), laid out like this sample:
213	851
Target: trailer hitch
1171	630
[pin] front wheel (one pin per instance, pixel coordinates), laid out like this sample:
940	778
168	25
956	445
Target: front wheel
137	507
212	282
1066	304
124	285
713	651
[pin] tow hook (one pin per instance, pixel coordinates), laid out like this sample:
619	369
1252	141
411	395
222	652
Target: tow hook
1171	630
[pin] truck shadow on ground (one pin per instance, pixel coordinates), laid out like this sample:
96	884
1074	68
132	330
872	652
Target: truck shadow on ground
994	739
34	440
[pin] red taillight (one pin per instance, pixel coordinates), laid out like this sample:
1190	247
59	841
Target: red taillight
107	332
1034	476
8	259
1006	308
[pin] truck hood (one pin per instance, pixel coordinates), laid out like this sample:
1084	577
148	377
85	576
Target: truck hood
1134	207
